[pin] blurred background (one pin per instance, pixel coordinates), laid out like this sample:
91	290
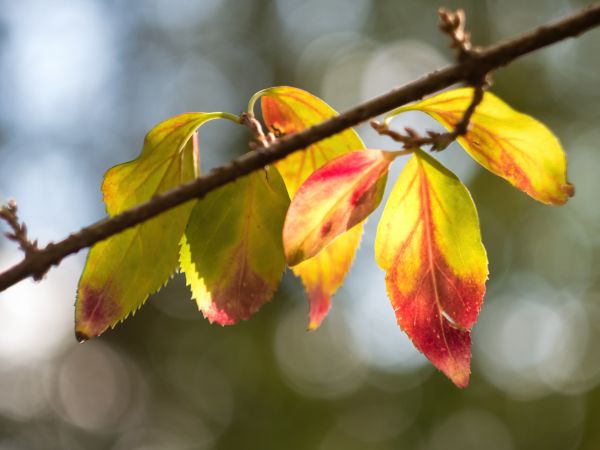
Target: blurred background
82	81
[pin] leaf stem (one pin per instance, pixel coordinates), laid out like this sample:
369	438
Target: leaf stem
254	99
403	152
229	116
438	141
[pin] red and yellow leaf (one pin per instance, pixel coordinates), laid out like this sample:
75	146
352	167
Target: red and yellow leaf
288	110
122	271
336	197
429	244
323	274
510	144
232	253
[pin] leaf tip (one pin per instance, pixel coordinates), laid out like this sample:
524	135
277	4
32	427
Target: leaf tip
81	336
230	303
216	315
562	195
319	305
314	323
568	189
458	371
96	310
293	256
461	379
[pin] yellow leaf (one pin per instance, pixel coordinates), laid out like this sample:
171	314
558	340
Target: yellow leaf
429	244
508	143
288	110
122	271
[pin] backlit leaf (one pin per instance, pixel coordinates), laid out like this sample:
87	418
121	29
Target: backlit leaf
508	143
336	197
288	110
429	244
232	253
122	271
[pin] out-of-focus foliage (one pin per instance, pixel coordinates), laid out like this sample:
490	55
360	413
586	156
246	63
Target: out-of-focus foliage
94	76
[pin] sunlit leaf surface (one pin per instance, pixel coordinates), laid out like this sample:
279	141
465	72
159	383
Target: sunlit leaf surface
336	197
508	143
429	244
122	271
288	110
232	253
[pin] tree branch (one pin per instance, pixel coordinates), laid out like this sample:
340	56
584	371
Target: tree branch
452	24
18	231
470	70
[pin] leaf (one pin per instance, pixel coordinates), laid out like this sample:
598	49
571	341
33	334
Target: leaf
428	242
288	110
232	253
323	274
508	143
336	197
122	271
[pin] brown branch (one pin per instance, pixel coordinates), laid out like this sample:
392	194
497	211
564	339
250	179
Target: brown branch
462	126
453	24
473	68
8	213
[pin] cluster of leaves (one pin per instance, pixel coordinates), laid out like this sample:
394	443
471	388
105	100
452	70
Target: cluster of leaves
233	244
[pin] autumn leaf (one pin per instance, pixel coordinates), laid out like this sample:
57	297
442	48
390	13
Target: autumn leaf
336	197
122	271
508	143
288	110
429	244
232	253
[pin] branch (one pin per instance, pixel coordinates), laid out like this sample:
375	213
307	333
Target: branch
481	62
438	141
452	24
8	213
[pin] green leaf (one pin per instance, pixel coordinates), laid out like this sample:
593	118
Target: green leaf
232	250
122	271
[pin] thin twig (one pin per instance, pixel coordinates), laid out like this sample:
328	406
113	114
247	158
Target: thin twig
18	234
483	62
452	23
438	141
8	213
